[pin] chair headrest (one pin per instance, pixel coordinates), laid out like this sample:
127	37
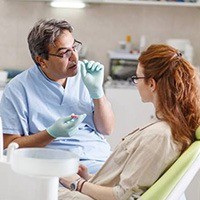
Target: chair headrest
197	133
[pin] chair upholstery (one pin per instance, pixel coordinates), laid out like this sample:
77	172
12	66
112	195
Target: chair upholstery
172	184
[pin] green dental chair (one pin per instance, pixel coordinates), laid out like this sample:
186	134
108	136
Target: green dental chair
173	183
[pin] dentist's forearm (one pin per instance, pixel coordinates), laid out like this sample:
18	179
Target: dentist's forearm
39	139
103	116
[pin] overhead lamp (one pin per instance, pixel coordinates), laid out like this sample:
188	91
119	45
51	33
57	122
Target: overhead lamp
67	4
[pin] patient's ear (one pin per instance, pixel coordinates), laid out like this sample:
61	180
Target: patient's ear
152	84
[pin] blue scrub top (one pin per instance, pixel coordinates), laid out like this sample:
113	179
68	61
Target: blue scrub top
32	102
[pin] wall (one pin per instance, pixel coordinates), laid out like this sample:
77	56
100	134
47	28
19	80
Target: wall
99	27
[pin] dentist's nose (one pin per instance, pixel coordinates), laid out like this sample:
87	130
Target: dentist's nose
74	56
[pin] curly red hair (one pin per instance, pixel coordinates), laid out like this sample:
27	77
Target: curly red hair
178	90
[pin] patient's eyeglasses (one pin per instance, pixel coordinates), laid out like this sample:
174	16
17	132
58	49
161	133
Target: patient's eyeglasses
135	78
68	53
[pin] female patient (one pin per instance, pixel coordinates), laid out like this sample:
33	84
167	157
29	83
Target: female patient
166	79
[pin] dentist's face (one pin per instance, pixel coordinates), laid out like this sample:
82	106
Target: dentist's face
62	63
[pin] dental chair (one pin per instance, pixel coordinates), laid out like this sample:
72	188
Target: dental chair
174	182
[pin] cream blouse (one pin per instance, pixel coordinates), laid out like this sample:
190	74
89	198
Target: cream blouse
138	161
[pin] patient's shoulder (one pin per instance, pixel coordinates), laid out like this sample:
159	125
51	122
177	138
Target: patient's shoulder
158	129
158	134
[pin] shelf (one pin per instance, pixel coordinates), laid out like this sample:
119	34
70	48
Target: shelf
122	84
147	2
131	2
122	55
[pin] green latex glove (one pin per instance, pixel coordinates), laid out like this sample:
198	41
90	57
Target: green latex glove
65	126
92	74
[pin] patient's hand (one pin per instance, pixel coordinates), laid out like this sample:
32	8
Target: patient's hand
83	172
67	181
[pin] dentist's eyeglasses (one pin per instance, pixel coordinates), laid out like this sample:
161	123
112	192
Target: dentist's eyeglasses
135	78
68	53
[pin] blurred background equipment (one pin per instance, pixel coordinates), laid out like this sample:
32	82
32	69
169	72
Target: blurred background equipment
184	46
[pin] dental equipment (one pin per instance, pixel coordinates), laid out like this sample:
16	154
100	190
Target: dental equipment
33	173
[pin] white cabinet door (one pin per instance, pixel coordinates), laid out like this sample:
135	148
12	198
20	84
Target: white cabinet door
130	112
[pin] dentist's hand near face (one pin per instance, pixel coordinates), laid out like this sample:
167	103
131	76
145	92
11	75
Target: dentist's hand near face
65	126
92	74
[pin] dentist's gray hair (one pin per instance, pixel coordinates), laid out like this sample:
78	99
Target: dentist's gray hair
44	33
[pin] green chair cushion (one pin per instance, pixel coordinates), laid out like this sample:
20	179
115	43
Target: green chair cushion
197	133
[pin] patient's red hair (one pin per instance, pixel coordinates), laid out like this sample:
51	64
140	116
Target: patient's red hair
178	90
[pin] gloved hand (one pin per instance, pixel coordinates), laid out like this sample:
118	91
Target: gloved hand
65	126
92	74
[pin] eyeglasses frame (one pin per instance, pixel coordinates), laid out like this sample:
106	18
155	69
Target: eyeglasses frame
135	77
75	41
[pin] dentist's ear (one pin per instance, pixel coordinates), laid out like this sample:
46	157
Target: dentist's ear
41	61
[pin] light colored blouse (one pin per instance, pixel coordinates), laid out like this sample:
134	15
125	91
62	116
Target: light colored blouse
138	161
